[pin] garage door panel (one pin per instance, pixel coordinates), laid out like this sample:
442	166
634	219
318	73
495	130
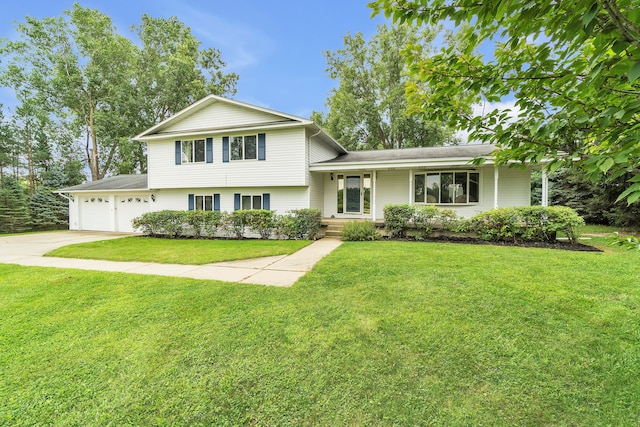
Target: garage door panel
96	213
130	206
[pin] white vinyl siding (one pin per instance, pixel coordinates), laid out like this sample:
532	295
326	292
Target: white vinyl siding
316	191
392	187
514	186
284	165
320	152
219	115
282	199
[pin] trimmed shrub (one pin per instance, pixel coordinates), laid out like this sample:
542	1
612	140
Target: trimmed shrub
360	231
261	221
197	220
213	223
527	224
299	224
286	227
162	223
397	218
424	218
236	222
450	221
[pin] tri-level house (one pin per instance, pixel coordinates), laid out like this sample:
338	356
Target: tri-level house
222	154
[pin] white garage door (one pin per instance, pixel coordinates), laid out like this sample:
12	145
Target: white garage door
129	207
95	213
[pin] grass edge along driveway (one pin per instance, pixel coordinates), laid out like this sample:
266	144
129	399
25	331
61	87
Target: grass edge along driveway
382	333
178	251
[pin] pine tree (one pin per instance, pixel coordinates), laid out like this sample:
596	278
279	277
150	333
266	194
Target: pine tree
14	209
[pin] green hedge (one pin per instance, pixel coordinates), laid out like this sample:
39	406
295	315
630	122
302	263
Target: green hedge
360	231
398	219
520	224
298	224
527	224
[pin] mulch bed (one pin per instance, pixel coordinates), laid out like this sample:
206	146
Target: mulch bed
558	244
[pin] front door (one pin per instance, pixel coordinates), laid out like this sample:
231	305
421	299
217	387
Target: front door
353	202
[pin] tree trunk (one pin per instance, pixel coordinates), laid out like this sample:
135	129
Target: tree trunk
94	165
30	166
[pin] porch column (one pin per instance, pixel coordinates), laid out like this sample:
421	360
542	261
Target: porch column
496	174
374	175
545	188
410	186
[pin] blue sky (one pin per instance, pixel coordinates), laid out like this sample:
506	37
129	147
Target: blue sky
274	46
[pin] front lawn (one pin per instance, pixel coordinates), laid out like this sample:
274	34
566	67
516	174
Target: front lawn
379	333
177	251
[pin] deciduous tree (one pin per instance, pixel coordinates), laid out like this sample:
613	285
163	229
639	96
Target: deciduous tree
572	66
368	109
113	89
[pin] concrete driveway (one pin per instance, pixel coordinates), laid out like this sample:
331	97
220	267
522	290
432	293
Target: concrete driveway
283	270
38	244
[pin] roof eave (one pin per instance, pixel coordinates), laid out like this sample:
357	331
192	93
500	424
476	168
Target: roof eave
116	190
216	131
320	131
208	99
396	164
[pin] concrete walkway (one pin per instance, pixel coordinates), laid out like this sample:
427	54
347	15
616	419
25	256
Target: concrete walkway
284	270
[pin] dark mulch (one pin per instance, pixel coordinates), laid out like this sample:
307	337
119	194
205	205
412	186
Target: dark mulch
558	244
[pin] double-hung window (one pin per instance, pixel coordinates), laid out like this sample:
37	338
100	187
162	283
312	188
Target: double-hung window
204	202
455	187
193	151
252	201
244	147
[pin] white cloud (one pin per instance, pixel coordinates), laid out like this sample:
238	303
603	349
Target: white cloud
485	108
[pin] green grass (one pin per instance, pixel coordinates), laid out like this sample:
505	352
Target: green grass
166	251
600	229
379	333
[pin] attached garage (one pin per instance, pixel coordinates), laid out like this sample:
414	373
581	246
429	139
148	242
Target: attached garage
109	204
96	211
129	206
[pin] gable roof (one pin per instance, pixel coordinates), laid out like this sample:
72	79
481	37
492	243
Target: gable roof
118	182
267	118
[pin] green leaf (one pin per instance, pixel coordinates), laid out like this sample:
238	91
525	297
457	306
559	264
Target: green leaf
606	165
634	72
588	17
633	197
630	192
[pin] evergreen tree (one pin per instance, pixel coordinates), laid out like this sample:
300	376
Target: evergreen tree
14	209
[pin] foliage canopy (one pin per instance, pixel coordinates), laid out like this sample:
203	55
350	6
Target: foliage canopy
368	109
573	67
80	67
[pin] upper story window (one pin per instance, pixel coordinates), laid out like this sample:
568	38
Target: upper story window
244	147
193	151
447	187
